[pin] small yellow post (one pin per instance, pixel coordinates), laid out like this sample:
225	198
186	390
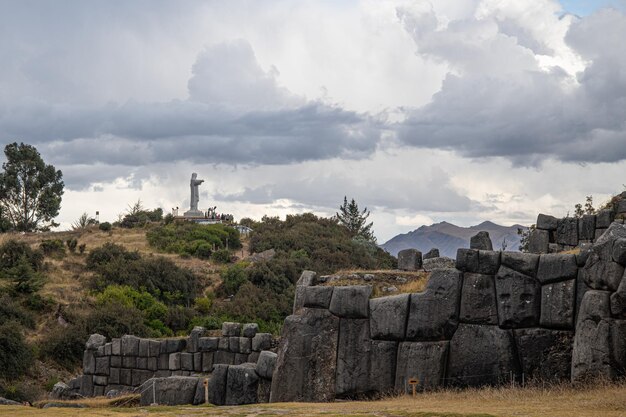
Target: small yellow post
413	383
206	390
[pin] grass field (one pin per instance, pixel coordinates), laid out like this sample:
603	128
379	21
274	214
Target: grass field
603	400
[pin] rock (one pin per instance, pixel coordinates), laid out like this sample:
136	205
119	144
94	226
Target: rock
317	297
553	248
586	227
604	218
599	233
618	347
174	390
546	222
481	355
298	299
307	358
89	362
95	341
621	207
545	355
524	263
250	329
382	362
351	302
102	365
4	401
438	263
619	251
519	299
478	299
208	344
615	231
368	277
556	267
488	262
307	279
467	260
618	299
241	384
434	313
130	345
353	354
538	241
217	385
567	231
230	329
144	347
583	254
173	345
481	241
557	305
192	345
409	260
233	344
245	345
261	341
425	361
262	256
86	386
61	391
388	317
431	254
265	364
602	274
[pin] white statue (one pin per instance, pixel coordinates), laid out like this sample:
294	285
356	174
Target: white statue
195	197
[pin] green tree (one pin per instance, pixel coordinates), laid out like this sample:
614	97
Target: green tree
355	220
589	209
30	190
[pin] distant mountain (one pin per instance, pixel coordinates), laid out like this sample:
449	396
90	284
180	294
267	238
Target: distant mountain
448	238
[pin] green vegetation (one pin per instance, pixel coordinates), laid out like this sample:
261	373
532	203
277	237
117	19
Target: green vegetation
355	220
193	239
138	216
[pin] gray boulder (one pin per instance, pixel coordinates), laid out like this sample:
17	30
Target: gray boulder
208	344
217	384
433	253
615	231
261	341
62	391
307	279
519	299
317	297
619	251
250	329
545	354
425	361
602	274
478	299
5	401
557	305
556	267
230	329
382	366
265	364
192	345
539	241
567	231
241	384
546	222
438	263
467	260
388	317
353	354
409	260
524	263
481	241
488	262
604	218
351	302
174	390
95	341
307	358
130	345
481	355
586	227
618	299
434	313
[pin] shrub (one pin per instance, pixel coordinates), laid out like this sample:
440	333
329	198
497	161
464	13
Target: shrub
105	227
25	279
203	304
222	256
81	248
108	253
115	320
179	318
11	310
53	248
141	300
65	346
203	251
15	355
12	251
71	244
193	239
233	278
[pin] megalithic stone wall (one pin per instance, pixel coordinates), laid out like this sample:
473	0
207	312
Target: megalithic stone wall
493	318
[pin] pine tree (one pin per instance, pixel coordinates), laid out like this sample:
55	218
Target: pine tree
355	220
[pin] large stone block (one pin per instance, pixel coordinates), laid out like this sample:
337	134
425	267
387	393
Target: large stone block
353	352
558	305
307	279
130	345
546	222
144	348
467	260
207	361
545	354
431	254
230	329
425	361
175	390
217	385
89	362
307	358
586	227
619	251
241	384
186	361
264	390
604	218
434	313
208	344
602	274
538	241
388	317
261	341
224	357
102	365
86	386
250	329
618	299
245	345
556	267
192	343
139	376
95	341
173	345
444	262
233	344
409	260
519	299
481	241
317	297
382	362
488	262
481	355
266	363
567	231
524	263
351	302
154	348
478	299
174	361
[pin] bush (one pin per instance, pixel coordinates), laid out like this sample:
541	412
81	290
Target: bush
105	227
193	239
71	244
222	256
25	279
11	310
233	278
15	355
53	248
203	251
81	248
65	346
12	251
116	320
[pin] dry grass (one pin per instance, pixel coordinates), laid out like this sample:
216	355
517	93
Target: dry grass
601	400
403	281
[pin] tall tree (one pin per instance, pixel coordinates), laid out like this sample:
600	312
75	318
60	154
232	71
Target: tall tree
30	190
355	220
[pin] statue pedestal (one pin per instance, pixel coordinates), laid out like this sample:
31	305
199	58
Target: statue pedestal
194	214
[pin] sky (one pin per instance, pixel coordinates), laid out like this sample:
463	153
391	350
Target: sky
422	111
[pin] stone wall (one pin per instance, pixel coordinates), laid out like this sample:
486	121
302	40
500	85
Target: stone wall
495	318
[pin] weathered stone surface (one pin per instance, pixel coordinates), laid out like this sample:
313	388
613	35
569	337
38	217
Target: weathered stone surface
208	344
129	361
444	262
519	299
298	299
618	299
240	358
433	253
233	344
599	233
585	251
241	384
619	251
230	329
388	317
175	390
317	297
545	354
223	357
618	347
102	365
264	390
307	359
604	218
567	231
197	362
174	361
586	227
478	299
488	262
250	329
144	347
265	364
615	231
538	241
425	361
602	274
114	375
467	260
196	333
89	362
307	279
173	345
116	347
154	348
353	351
207	361
409	260
139	376
351	302
130	345
556	267
86	386
382	362
261	341
524	263
95	341
126	377
481	241
4	401
546	222
621	206
481	355
217	385
60	391
100	380
434	313
557	305
223	343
